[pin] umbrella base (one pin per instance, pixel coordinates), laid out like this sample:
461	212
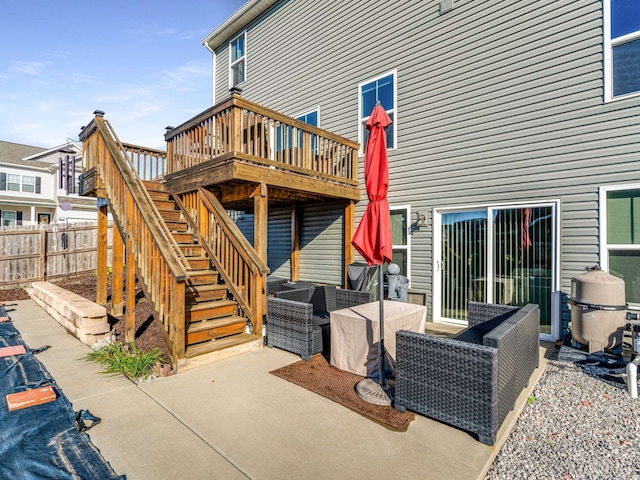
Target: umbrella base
372	392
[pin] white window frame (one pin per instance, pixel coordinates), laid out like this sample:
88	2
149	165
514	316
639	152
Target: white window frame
14	220
25	182
608	54
362	120
604	245
307	112
556	316
406	247
232	63
14	179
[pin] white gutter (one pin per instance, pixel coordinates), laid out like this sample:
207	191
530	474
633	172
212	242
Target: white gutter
213	73
236	22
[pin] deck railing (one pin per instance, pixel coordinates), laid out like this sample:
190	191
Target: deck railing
262	135
243	272
161	267
148	163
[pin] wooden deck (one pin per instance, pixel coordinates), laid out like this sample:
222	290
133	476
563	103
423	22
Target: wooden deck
171	210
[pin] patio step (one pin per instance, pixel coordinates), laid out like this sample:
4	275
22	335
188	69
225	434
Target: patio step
210	310
202	277
205	293
192	250
156	190
218	345
199	263
212	329
185	238
170	216
164	204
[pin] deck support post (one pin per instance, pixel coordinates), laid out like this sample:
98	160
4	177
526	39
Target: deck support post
101	278
296	217
117	299
349	230
130	320
260	228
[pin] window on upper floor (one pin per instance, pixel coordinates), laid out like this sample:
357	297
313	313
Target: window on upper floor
28	184
622	48
382	89
285	137
14	182
237	59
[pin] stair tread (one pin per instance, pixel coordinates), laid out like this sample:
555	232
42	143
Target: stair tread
204	288
218	322
212	304
218	344
202	272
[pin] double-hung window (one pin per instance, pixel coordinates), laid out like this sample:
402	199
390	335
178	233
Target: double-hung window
237	59
9	218
401	239
380	89
620	238
285	136
28	183
622	48
13	182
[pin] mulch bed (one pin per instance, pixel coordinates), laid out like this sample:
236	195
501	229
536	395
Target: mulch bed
320	377
148	333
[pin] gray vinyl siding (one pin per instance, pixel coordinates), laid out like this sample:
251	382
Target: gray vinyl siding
279	242
497	102
321	240
278	239
245	224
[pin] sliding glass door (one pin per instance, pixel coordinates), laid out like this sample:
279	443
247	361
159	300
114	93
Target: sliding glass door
501	255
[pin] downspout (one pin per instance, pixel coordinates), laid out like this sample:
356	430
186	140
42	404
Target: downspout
213	73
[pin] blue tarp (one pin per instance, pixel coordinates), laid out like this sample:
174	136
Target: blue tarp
43	441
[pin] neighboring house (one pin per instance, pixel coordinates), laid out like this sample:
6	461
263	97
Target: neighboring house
39	185
515	148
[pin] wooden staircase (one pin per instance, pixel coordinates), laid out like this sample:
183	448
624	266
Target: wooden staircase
213	319
205	281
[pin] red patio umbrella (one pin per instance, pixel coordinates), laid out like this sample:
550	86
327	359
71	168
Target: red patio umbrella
373	238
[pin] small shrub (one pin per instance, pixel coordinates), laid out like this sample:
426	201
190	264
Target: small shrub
126	359
531	399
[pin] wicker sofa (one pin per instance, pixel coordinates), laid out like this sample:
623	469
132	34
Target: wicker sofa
298	320
472	379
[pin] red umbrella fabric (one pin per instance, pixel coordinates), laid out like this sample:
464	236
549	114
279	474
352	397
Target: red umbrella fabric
373	238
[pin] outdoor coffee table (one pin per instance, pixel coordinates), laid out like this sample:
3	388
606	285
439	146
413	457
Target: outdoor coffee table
355	333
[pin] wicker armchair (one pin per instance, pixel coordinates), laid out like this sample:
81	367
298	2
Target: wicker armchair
298	320
471	380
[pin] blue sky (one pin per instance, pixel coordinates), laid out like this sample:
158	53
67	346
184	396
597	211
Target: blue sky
140	61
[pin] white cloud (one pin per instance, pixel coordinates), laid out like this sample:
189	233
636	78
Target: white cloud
29	68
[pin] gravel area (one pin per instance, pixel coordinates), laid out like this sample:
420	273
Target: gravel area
578	424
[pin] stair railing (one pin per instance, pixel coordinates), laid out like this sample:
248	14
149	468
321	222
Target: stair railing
161	266
243	272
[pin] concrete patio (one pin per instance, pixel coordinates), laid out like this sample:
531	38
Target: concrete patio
232	419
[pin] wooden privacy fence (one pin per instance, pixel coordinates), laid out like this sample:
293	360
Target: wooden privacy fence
38	253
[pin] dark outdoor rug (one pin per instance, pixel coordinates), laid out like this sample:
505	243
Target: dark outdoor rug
324	379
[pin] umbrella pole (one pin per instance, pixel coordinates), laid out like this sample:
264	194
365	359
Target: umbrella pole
381	353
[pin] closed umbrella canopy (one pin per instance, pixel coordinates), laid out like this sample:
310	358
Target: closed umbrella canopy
373	237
